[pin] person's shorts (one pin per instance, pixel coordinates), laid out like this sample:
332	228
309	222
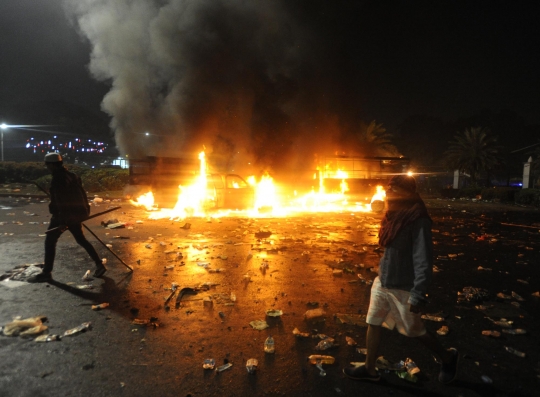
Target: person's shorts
390	308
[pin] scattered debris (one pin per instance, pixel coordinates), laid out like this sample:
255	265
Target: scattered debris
258	324
79	329
354	319
27	327
274	313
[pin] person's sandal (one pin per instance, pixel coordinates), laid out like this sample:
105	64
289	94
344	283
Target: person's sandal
361	373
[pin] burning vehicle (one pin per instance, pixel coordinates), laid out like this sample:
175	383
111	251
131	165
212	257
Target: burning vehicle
178	188
163	181
358	177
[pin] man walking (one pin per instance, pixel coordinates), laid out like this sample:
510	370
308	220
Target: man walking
405	271
69	208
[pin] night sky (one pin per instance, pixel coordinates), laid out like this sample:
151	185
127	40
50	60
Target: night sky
346	60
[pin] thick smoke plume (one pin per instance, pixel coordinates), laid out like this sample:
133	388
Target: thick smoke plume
271	83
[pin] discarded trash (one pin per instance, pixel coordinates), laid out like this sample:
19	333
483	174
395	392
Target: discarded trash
100	306
269	345
26	327
354	319
350	341
486	379
536	294
517	297
432	318
516	331
84	286
258	324
472	294
48	338
314	314
186	226
86	275
493	334
233	297
514	352
274	313
443	331
337	272
500	295
81	328
361	350
118	225
411	366
502	322
251	365
325	344
223	367
296	332
110	222
221	314
406	376
383	363
318	360
209	363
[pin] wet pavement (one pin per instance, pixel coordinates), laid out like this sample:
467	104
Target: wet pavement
237	269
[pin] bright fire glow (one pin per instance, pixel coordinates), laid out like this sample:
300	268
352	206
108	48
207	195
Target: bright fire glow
146	200
197	200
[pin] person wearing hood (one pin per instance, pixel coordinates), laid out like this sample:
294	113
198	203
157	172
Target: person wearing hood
400	291
69	208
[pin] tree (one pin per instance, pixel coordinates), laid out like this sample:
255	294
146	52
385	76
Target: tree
373	140
474	151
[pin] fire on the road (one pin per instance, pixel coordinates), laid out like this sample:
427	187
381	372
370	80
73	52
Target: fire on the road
196	199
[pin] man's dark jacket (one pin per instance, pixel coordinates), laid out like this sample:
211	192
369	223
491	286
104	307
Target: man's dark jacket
69	203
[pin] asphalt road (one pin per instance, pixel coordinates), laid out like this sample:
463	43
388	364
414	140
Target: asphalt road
304	254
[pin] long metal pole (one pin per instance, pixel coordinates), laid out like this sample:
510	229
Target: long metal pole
2	144
105	245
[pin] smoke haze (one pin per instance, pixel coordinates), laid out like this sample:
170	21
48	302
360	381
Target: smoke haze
271	83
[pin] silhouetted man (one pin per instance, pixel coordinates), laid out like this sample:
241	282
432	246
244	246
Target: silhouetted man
69	208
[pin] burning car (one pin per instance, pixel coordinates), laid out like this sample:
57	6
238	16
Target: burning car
173	182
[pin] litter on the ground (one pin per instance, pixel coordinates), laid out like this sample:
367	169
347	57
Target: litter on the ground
258	324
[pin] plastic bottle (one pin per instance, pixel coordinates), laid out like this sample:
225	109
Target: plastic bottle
319	358
515	352
269	345
516	331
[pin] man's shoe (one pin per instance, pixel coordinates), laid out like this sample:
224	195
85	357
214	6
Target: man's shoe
42	277
100	270
361	373
449	371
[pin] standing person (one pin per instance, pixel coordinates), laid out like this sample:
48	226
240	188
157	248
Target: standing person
69	208
405	270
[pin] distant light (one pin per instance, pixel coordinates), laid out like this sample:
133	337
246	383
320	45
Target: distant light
146	133
410	173
3	126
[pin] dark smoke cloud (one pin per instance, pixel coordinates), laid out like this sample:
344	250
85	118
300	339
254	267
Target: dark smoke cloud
267	82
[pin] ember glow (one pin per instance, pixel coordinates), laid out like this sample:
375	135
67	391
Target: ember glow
197	199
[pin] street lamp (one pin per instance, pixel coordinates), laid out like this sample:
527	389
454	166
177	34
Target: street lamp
3	126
